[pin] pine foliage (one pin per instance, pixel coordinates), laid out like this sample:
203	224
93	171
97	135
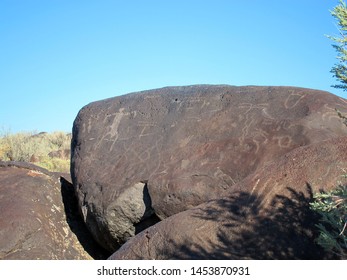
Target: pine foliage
339	70
332	207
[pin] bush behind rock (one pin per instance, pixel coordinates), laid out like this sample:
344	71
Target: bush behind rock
35	147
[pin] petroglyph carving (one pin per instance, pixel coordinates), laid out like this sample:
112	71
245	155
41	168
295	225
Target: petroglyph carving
293	100
284	141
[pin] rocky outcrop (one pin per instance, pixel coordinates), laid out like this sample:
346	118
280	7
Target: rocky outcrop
39	218
266	216
147	156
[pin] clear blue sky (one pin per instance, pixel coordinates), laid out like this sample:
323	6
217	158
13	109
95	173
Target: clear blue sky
57	56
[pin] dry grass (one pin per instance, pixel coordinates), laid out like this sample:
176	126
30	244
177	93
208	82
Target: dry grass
35	147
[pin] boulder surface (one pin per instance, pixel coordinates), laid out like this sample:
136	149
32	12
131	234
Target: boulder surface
267	216
35	221
143	157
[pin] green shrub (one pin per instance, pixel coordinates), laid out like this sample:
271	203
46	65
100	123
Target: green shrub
332	207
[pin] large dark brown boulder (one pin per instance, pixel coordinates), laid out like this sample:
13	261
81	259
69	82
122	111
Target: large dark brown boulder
266	217
157	153
37	219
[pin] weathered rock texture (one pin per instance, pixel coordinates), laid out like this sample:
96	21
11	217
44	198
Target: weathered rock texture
157	153
35	223
267	216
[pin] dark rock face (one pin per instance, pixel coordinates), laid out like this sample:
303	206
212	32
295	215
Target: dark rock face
34	223
157	153
266	217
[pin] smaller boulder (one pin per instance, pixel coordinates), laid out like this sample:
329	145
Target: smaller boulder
35	223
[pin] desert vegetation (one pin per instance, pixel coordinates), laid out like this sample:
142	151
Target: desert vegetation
48	150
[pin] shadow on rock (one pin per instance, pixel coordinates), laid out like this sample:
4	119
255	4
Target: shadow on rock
242	228
149	218
76	222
